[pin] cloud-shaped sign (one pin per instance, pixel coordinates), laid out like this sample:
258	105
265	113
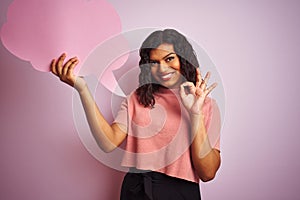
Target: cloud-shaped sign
38	31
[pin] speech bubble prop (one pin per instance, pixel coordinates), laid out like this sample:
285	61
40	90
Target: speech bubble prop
38	31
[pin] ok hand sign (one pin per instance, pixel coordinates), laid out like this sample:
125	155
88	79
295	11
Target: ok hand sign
193	96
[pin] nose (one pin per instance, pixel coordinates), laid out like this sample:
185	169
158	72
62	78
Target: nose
163	67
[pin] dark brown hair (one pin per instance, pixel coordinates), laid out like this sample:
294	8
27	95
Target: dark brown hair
183	49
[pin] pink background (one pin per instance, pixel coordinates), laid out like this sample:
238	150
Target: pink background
255	46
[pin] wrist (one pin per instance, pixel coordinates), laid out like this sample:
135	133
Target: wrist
82	89
197	115
80	85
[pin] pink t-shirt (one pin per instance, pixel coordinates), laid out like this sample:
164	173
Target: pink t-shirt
159	138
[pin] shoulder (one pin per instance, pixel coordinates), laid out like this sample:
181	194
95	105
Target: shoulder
132	97
132	101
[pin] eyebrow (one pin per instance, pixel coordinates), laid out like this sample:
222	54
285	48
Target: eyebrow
165	56
168	55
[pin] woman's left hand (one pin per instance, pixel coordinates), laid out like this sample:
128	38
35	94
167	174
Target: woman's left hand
192	96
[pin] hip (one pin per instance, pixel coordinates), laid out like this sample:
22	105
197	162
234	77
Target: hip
150	185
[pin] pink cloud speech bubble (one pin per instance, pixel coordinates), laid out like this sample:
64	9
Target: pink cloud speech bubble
38	31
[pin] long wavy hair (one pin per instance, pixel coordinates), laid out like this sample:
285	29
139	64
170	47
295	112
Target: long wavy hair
183	49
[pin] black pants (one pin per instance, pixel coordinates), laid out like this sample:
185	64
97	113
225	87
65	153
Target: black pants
157	186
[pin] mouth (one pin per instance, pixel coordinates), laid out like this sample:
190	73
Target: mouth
166	76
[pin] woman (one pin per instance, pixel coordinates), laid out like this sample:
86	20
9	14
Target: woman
167	122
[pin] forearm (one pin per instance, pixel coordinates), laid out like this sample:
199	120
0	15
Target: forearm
206	160
100	128
107	136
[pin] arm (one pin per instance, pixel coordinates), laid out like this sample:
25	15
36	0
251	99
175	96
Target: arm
107	136
206	160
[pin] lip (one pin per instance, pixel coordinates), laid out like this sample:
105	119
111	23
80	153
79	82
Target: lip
166	76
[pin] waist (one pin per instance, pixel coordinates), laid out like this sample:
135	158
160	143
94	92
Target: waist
149	182
135	170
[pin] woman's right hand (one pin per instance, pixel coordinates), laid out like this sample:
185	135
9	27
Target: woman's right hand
65	72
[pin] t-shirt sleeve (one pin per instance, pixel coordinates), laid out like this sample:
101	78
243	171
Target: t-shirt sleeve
121	118
214	127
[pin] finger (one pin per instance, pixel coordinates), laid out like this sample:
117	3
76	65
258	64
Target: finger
67	66
208	90
59	64
207	76
198	92
52	67
186	88
190	88
205	81
69	74
182	91
198	77
71	68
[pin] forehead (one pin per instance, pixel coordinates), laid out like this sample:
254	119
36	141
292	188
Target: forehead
161	51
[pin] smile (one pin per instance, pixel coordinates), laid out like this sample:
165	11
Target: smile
167	76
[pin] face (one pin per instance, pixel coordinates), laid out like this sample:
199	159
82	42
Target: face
165	66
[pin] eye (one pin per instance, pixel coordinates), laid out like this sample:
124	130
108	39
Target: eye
153	63
169	59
